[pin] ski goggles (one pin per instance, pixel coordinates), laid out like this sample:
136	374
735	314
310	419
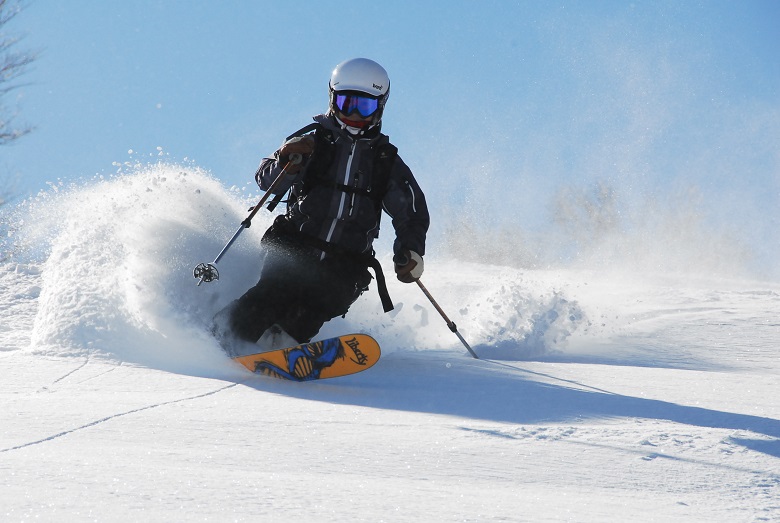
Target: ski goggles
348	103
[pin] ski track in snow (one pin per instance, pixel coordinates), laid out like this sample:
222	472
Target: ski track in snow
596	393
114	416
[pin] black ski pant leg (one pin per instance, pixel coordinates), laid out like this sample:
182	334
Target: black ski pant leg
297	290
329	294
269	301
250	315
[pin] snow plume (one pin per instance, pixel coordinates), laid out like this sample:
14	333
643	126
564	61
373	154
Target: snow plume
602	227
117	278
110	263
504	313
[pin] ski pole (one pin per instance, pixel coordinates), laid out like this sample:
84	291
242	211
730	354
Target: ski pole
450	324
208	271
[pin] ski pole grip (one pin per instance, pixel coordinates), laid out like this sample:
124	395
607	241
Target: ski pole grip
296	158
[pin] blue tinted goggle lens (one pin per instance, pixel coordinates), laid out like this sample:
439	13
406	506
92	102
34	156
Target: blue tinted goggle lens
349	103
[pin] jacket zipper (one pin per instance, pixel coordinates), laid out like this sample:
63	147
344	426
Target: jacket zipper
343	194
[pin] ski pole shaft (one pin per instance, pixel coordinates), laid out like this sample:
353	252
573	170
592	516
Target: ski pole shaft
208	272
228	244
450	324
294	160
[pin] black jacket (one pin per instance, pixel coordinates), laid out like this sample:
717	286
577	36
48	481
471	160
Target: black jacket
336	201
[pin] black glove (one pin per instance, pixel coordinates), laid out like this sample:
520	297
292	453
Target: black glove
409	266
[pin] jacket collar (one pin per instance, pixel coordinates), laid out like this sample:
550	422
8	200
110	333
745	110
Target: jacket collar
330	122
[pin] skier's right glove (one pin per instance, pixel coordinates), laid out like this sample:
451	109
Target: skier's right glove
303	145
408	266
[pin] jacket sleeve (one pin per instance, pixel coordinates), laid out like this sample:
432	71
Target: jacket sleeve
404	202
269	170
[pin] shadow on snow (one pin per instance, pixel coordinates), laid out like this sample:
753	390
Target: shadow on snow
451	384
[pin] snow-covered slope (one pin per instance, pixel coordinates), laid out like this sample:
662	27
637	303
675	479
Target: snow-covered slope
601	396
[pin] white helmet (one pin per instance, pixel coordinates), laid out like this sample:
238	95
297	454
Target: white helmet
361	75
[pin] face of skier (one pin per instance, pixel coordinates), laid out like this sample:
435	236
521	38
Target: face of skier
355	120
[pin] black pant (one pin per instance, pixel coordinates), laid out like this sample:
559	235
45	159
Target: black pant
298	290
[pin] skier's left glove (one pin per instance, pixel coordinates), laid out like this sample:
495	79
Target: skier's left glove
409	266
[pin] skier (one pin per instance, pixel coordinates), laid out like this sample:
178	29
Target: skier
318	253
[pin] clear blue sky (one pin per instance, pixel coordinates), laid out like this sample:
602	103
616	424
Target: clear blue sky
487	97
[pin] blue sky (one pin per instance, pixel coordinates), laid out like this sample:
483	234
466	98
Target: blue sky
488	98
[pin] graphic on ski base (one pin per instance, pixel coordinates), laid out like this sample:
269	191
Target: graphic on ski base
327	358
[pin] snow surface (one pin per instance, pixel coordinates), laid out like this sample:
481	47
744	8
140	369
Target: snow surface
603	395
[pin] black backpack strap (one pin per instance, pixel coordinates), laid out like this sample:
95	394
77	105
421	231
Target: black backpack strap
383	166
304	130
